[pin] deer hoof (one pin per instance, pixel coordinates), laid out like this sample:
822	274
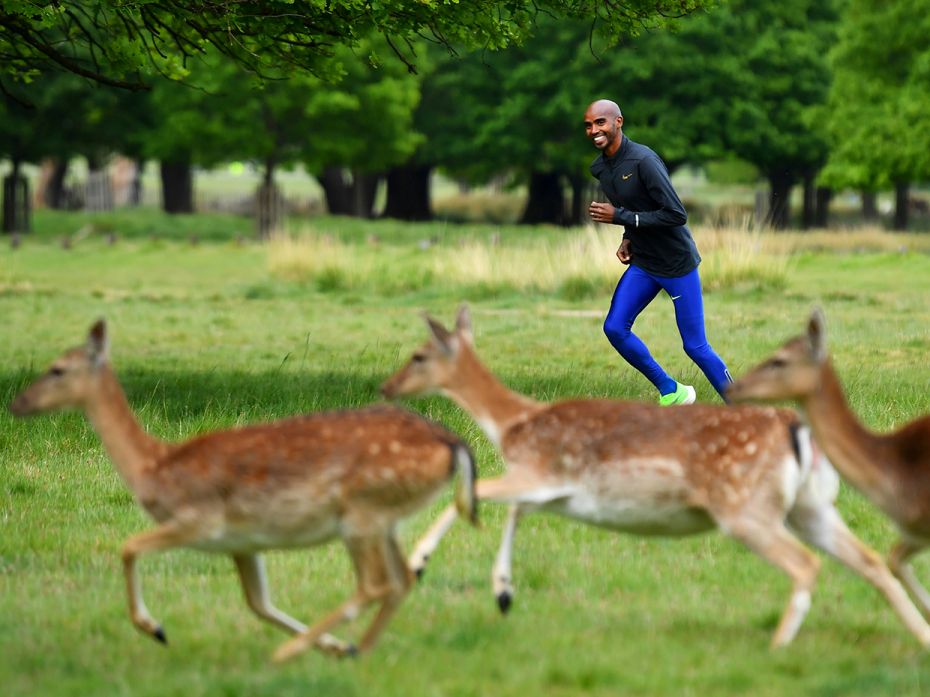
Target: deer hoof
159	634
504	601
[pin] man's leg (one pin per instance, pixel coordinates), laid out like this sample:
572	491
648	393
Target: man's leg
635	290
685	292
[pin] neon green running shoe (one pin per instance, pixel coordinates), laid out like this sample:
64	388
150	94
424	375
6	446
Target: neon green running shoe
684	394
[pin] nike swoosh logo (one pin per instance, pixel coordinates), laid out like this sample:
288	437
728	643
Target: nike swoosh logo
626	176
675	297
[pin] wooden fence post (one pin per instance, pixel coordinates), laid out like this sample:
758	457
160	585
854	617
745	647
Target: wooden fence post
98	194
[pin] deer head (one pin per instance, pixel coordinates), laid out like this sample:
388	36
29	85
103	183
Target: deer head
794	371
435	365
69	379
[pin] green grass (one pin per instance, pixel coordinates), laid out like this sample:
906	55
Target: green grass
210	335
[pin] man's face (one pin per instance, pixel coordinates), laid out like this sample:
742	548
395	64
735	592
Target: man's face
602	127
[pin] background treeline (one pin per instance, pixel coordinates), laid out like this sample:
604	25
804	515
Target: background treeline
825	96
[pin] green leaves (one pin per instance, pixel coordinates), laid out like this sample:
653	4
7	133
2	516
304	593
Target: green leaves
880	98
126	44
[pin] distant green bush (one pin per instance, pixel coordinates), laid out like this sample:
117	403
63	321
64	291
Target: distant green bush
731	171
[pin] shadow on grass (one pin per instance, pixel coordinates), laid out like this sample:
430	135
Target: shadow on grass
179	395
230	396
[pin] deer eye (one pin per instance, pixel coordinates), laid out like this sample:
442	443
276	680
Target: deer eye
418	358
778	363
56	371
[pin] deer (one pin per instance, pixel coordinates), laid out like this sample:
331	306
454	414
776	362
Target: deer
291	483
752	472
892	470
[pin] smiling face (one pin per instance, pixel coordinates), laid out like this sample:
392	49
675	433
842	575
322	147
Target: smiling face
603	124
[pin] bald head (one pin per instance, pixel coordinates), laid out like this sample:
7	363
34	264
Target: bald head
606	108
603	124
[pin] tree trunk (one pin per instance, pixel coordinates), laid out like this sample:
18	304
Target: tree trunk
54	194
16	209
809	209
364	191
349	195
870	205
335	190
780	184
269	206
822	213
177	186
408	193
135	190
901	190
576	213
545	203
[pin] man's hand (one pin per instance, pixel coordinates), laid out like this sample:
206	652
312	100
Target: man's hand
601	212
625	252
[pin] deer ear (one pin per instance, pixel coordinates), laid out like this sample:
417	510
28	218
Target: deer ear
98	345
463	325
442	337
817	334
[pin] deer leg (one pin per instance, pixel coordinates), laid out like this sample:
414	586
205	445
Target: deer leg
503	487
501	573
898	561
166	536
428	543
251	570
824	528
399	579
373	583
772	541
519	492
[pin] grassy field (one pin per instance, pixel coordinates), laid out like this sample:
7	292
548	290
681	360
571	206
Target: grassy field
222	332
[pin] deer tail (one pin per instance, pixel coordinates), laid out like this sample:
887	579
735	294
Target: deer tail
466	502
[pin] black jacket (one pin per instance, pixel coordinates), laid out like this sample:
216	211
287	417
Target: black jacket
636	182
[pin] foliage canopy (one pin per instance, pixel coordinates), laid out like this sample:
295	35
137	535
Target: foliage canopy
124	43
880	98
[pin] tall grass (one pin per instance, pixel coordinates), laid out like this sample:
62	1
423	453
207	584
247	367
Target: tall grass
575	264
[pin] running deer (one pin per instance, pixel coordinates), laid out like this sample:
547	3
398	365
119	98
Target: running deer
750	471
291	483
892	470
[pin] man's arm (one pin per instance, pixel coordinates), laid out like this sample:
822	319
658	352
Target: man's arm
671	211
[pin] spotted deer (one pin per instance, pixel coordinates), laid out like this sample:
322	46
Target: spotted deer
751	472
296	482
892	469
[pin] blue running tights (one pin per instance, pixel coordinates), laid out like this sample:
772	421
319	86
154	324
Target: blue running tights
636	289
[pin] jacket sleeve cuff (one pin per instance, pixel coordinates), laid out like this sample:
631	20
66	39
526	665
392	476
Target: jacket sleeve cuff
623	217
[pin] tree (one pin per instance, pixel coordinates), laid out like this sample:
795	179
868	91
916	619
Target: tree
345	132
67	118
534	130
359	128
878	118
457	94
785	79
186	128
124	43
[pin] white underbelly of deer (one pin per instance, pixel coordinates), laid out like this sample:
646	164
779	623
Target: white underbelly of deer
647	496
232	539
644	515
